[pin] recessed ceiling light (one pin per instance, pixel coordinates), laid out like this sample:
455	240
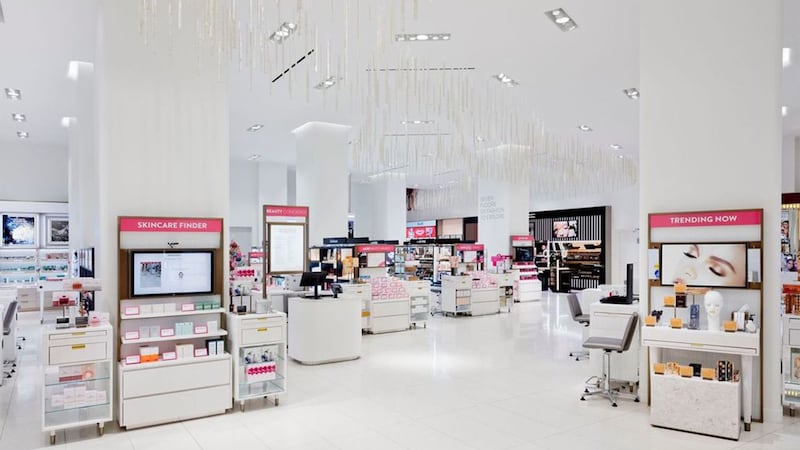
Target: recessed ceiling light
66	122
621	157
585	128
784	110
422	37
632	93
283	32
479	138
22	134
13	94
615	146
787	57
255	127
254	157
327	83
505	80
17	117
562	20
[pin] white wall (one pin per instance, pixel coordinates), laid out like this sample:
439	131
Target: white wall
463	204
33	173
361	201
788	164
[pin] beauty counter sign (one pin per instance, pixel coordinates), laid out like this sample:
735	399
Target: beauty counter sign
156	224
285	212
469	247
375	248
706	219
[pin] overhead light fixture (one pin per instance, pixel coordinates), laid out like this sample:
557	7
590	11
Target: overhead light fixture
632	93
479	138
621	156
787	56
17	117
254	157
255	127
416	122
66	121
562	20
283	32
22	134
13	94
73	69
422	37
615	146
327	83
784	111
505	80
585	128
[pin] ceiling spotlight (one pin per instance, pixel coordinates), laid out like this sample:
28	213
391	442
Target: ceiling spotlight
13	94
255	127
283	32
784	111
254	157
327	83
479	138
621	157
17	117
22	134
66	121
505	80
787	56
422	37
615	146
562	20
585	128
632	93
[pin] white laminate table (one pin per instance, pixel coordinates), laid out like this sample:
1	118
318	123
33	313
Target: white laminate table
324	330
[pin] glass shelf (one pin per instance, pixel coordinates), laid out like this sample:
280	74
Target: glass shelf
77	408
65	417
265	387
102	371
67	383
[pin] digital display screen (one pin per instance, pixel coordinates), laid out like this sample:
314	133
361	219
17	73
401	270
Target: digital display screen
167	273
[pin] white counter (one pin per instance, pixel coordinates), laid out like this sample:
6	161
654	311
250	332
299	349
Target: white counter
324	330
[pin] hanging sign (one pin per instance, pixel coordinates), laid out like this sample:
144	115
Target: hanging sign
706	219
375	248
469	247
182	225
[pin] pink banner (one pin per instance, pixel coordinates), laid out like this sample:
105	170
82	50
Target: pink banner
375	248
159	224
285	211
424	232
469	247
706	219
522	238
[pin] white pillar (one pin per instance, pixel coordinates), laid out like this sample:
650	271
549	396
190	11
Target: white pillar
162	120
273	189
361	203
710	130
84	181
788	166
322	178
388	207
502	212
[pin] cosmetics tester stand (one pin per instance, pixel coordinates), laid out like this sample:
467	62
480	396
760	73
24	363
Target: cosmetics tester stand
711	404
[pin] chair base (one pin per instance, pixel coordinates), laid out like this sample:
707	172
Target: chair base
579	354
601	388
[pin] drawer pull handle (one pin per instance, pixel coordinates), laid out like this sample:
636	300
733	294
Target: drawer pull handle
81	333
261	319
79	346
261	330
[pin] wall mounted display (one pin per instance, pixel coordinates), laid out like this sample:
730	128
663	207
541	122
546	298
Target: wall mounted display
286	239
171	272
704	264
56	231
20	230
565	229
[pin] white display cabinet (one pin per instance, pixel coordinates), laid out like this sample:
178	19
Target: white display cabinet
53	264
485	301
174	385
505	286
363	292
419	293
456	294
78	378
257	343
18	267
391	314
791	362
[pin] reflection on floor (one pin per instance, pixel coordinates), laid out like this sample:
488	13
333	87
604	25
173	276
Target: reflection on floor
493	382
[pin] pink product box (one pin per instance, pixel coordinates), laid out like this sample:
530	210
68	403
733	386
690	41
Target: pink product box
260	372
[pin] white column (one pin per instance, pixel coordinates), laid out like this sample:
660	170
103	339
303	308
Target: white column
502	212
388	207
788	166
361	203
273	189
322	178
710	130
162	120
84	180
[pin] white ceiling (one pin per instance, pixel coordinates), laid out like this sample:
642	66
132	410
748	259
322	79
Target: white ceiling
566	79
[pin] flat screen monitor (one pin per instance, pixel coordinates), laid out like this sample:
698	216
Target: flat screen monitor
704	264
171	272
313	279
565	229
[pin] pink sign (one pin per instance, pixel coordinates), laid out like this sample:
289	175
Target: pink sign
285	211
469	247
159	224
425	232
706	219
526	237
375	248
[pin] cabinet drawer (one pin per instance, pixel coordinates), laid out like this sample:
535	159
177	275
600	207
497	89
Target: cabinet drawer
794	337
262	335
390	308
161	380
78	353
262	322
83	335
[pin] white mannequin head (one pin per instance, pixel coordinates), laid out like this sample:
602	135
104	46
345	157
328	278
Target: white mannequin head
713	303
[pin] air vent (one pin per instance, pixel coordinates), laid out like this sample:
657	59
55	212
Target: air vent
420	69
302	58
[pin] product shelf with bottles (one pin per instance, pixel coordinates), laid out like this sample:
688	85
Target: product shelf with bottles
791	362
78	378
527	287
258	345
419	293
18	267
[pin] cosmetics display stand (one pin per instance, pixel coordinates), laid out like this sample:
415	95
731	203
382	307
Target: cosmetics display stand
257	343
791	362
456	294
78	378
419	292
505	285
527	288
390	306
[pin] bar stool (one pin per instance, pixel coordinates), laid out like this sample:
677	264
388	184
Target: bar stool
608	345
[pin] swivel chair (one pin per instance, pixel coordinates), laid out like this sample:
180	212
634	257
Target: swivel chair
608	345
581	318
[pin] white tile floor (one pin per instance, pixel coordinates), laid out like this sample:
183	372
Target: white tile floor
495	382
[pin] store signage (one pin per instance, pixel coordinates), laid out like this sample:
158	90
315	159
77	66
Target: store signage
375	248
276	213
421	232
169	225
256	255
522	238
706	219
469	247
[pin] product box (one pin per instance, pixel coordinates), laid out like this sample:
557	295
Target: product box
144	332
260	372
148	353
155	331
70	373
184	351
158	308
146	309
212	326
169	307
